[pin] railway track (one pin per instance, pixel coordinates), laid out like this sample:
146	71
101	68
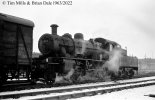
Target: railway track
77	91
9	85
16	83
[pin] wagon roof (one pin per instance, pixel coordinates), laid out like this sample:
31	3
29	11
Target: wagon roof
14	19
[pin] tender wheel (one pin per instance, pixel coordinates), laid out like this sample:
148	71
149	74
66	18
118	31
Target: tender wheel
131	73
123	73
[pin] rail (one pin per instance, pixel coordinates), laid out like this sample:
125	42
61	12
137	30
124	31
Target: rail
77	91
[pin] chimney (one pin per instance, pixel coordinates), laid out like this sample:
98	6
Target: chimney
54	29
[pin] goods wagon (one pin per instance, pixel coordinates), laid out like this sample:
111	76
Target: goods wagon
16	41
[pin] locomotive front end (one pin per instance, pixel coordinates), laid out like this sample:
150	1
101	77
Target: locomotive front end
55	45
48	44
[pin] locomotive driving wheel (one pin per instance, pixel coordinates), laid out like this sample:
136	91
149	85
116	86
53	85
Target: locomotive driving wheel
77	72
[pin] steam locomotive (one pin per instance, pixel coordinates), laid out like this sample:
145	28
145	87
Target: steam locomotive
59	54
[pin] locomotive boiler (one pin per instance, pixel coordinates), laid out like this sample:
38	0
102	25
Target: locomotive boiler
65	46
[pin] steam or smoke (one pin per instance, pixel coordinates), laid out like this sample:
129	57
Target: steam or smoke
103	72
70	73
66	78
99	73
114	60
83	46
58	79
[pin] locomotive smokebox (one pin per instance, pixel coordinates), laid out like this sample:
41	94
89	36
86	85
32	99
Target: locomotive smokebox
54	29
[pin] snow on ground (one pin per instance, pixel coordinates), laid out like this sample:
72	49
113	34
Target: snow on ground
38	97
73	86
129	94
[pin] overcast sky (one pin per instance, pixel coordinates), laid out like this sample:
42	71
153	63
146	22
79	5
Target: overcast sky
131	23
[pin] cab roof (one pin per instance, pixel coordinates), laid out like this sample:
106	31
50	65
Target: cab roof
107	41
112	42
